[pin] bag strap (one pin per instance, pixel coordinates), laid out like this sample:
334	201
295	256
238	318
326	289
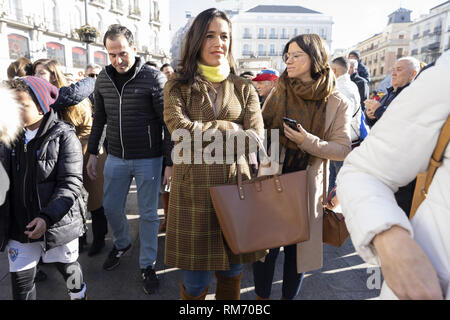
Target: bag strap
324	195
438	154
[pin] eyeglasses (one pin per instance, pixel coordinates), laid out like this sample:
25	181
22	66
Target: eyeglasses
294	55
92	75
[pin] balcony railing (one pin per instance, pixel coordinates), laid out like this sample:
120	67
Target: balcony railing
284	36
262	53
426	32
262	36
437	31
416	36
274	54
434	46
247	53
247	36
273	36
99	3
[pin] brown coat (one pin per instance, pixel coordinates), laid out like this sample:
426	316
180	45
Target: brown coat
335	146
194	240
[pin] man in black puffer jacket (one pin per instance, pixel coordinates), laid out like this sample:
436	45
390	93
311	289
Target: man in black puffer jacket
129	100
42	215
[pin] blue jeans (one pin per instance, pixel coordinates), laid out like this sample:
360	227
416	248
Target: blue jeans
118	176
335	166
195	282
263	273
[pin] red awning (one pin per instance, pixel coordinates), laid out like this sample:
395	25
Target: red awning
80	51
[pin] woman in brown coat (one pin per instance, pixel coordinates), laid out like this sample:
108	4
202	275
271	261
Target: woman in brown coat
305	93
80	116
205	97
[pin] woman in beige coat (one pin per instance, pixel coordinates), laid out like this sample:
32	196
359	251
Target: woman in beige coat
306	93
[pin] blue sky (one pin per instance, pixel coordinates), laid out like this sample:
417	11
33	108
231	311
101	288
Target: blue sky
354	20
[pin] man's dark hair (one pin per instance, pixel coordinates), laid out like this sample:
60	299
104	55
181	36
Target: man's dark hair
356	54
151	64
19	85
163	66
117	30
246	73
342	61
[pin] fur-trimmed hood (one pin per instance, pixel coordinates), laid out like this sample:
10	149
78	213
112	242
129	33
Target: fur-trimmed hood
10	120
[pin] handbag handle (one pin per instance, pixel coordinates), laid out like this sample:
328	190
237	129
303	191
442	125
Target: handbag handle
276	179
324	195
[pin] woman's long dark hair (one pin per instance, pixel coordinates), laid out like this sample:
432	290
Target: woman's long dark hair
193	42
316	48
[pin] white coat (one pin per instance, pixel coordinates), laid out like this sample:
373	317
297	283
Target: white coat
349	89
398	148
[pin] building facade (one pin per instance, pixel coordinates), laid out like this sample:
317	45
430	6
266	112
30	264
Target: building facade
46	29
263	31
380	52
431	34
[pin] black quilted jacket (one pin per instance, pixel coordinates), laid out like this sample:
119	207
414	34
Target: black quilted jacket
74	94
134	117
50	187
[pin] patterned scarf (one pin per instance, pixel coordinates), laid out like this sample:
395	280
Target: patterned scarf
304	102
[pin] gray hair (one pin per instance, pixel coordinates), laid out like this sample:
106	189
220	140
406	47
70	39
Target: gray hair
10	121
93	66
413	63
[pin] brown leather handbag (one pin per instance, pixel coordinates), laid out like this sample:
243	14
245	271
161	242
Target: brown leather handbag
334	230
424	179
263	213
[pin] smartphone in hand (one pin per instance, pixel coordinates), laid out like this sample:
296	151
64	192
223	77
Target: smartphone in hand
291	123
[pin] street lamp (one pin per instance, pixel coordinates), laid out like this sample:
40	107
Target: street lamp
87	33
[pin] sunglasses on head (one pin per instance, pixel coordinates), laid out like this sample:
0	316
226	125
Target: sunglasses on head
92	75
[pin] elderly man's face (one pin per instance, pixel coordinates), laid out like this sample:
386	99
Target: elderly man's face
402	74
264	87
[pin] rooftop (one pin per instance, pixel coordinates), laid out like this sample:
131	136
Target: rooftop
282	9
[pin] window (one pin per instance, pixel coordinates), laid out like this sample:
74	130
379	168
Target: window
79	57
261	33
18	46
295	32
246	49
16	10
100	58
273	34
272	49
402	36
261	50
75	18
56	51
55	17
247	33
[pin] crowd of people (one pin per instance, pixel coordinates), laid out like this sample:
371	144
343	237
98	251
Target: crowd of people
70	149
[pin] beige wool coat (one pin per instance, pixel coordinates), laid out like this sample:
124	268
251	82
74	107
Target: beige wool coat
336	145
194	240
